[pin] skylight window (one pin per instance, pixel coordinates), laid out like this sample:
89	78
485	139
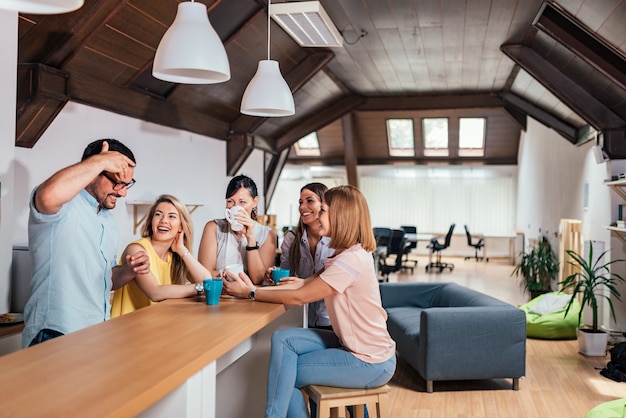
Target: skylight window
472	137
308	145
435	137
400	137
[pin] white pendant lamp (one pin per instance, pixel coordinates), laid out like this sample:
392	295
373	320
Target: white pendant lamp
191	52
42	7
267	94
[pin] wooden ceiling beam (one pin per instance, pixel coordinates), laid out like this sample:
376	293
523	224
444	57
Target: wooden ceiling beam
71	30
238	149
518	115
42	92
585	134
565	89
430	102
569	32
305	70
339	161
350	156
325	116
272	174
100	94
613	142
523	106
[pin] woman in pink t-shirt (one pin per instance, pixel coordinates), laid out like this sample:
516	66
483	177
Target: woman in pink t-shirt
358	353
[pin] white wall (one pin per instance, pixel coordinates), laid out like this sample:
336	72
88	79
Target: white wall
552	177
8	52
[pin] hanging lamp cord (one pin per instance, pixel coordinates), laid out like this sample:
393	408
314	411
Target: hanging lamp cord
269	5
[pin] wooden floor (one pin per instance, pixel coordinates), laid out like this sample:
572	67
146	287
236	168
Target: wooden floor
559	382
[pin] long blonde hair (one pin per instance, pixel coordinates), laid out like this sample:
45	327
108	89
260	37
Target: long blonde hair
179	271
349	219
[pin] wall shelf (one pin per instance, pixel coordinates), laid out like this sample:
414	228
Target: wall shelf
620	232
137	204
618	186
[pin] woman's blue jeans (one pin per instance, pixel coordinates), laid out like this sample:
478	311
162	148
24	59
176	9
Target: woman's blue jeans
305	356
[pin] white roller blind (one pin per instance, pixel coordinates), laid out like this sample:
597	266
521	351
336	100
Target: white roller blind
486	205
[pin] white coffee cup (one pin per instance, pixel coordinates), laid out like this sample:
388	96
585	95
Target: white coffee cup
230	217
234	269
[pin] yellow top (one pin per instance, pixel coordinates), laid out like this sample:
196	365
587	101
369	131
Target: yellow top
129	298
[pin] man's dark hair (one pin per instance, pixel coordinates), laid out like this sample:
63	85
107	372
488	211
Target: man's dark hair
114	145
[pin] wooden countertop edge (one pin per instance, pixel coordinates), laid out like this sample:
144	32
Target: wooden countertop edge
120	391
165	386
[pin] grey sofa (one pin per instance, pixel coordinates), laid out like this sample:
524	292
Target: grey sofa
450	332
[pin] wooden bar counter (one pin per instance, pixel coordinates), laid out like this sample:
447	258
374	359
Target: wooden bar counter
124	366
7	330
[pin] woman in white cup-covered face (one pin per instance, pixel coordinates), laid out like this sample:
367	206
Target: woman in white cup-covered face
254	245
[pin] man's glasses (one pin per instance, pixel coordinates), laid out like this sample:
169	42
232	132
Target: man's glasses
118	185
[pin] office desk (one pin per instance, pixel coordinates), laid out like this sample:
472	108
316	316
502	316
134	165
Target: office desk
158	359
418	237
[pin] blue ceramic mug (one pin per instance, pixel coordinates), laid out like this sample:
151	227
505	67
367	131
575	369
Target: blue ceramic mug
212	290
278	274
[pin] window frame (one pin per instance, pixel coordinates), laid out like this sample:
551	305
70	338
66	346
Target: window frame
400	152
473	151
436	151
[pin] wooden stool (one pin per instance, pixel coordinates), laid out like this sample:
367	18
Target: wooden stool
332	402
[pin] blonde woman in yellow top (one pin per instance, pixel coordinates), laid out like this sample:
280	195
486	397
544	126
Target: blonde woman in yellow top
167	238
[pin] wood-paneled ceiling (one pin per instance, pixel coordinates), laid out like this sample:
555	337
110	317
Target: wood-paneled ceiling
563	63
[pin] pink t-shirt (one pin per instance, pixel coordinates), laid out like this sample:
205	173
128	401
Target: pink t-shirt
356	311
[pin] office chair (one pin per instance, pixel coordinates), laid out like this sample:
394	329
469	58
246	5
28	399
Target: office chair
478	245
436	247
410	245
383	239
396	248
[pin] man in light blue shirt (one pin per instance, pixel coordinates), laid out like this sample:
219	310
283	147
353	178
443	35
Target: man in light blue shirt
73	243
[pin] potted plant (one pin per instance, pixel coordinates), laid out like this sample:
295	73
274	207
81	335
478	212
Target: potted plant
538	268
588	283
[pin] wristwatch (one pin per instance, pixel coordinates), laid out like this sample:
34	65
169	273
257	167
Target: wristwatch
199	288
256	247
252	294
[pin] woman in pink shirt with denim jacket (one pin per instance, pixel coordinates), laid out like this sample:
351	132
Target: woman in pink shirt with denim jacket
358	353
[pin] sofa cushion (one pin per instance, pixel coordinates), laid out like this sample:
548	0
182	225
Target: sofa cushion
550	303
406	320
454	295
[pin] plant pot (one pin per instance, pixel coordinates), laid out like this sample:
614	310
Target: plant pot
592	343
